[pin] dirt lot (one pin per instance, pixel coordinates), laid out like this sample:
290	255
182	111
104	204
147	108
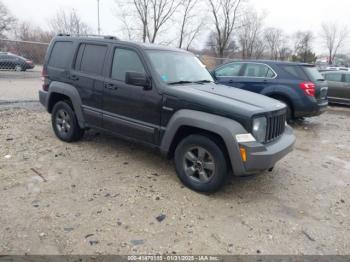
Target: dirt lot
103	195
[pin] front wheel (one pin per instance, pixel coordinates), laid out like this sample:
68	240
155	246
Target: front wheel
65	123
201	164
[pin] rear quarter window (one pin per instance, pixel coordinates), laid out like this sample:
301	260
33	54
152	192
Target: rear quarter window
61	54
295	71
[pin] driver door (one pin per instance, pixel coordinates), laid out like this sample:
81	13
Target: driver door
129	110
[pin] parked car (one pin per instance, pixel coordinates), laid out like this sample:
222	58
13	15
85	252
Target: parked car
338	86
166	99
300	86
14	62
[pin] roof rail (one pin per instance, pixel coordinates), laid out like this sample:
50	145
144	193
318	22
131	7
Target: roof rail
109	37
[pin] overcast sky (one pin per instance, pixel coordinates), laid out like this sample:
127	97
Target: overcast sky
291	15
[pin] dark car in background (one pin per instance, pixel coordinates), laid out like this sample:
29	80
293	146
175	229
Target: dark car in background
11	61
300	86
338	86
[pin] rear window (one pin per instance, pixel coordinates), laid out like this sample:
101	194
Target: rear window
92	58
313	73
61	54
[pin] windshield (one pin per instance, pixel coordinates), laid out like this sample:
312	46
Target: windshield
178	68
313	73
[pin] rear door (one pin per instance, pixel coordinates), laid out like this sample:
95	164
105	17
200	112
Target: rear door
346	93
336	85
87	77
256	76
230	74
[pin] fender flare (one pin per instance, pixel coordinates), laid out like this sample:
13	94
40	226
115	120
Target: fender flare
71	92
283	91
224	127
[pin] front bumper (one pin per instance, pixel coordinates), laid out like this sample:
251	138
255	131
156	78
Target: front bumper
261	157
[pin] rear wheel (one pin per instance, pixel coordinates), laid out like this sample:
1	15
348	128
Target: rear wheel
201	164
65	123
290	114
18	68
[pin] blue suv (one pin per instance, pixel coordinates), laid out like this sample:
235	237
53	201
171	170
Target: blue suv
300	86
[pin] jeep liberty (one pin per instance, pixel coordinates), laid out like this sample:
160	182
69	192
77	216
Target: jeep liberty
164	98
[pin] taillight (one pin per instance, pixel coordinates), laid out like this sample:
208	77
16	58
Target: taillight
29	61
309	88
45	80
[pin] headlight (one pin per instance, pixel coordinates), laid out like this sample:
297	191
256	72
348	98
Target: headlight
259	128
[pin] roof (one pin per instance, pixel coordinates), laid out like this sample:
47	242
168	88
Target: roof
110	39
275	62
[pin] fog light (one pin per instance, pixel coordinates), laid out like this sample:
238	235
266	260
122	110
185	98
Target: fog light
243	154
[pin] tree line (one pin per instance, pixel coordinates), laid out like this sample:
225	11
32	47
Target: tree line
219	28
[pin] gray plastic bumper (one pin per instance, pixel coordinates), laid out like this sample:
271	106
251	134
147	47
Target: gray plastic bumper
43	98
262	157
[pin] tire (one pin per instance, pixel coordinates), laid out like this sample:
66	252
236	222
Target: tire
18	68
201	164
290	115
65	123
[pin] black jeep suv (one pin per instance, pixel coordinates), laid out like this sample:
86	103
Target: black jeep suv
164	98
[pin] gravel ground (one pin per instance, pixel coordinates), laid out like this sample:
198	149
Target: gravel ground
19	89
103	196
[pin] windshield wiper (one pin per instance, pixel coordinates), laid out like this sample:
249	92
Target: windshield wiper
180	83
203	81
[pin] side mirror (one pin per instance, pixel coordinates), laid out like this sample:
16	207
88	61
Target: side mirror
138	79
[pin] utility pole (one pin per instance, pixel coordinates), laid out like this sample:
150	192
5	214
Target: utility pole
98	18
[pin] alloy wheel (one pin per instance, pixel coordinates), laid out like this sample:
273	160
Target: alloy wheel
199	164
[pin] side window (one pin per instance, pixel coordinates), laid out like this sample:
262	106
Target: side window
229	70
347	78
270	74
258	70
334	77
124	61
92	60
61	55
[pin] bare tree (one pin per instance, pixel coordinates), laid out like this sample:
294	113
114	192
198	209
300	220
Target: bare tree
225	14
333	38
26	31
162	11
190	26
250	35
143	11
303	47
148	16
69	23
7	21
274	39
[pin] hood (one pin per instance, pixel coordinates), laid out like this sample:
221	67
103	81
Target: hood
224	100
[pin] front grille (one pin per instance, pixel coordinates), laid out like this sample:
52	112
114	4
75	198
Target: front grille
276	124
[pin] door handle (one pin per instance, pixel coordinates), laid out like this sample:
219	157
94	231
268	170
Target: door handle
110	86
230	82
74	77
